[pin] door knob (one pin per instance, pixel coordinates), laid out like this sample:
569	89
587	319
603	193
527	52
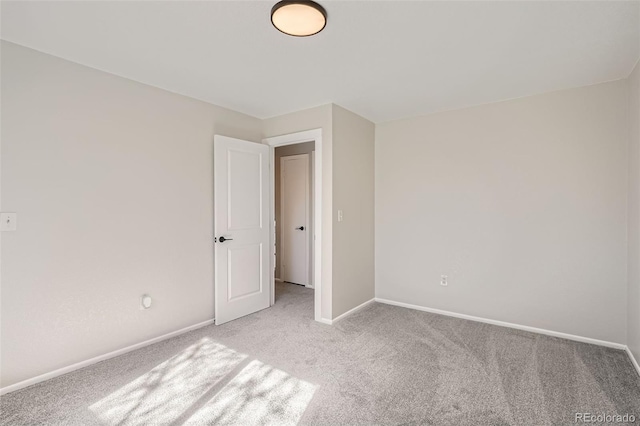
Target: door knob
301	228
223	239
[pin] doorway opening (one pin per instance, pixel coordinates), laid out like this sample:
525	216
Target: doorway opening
294	220
294	213
296	182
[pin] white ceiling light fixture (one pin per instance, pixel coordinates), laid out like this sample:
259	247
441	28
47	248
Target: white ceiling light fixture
298	18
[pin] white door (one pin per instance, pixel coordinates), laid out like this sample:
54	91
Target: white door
241	204
294	195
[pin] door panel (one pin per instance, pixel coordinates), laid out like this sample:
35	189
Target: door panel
241	183
245	184
247	280
295	233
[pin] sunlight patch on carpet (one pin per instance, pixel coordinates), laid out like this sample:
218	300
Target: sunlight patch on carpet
259	394
172	388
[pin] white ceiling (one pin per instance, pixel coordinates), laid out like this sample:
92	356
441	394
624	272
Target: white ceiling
381	59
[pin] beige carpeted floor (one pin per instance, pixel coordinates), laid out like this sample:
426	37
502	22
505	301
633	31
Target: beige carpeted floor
382	365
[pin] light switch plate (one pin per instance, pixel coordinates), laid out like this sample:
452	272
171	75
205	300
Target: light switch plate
8	222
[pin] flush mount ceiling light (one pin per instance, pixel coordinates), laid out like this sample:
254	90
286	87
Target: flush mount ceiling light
298	18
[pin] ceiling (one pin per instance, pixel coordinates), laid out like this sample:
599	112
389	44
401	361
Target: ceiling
381	59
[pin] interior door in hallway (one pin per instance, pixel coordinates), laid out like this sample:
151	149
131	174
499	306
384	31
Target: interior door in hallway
294	197
241	204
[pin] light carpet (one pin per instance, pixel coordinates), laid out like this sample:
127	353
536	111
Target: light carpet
382	365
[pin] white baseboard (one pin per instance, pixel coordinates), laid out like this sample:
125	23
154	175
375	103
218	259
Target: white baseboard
633	360
81	364
325	321
351	311
507	324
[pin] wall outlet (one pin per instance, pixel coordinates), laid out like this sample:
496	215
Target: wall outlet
339	215
444	280
8	222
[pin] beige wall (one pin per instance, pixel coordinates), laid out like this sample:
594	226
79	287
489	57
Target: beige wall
633	299
315	118
348	246
522	204
353	193
112	183
285	151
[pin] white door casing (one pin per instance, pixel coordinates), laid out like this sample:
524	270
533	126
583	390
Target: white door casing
318	276
312	223
241	205
295	211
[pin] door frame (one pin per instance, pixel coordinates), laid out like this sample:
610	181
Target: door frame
315	136
307	218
